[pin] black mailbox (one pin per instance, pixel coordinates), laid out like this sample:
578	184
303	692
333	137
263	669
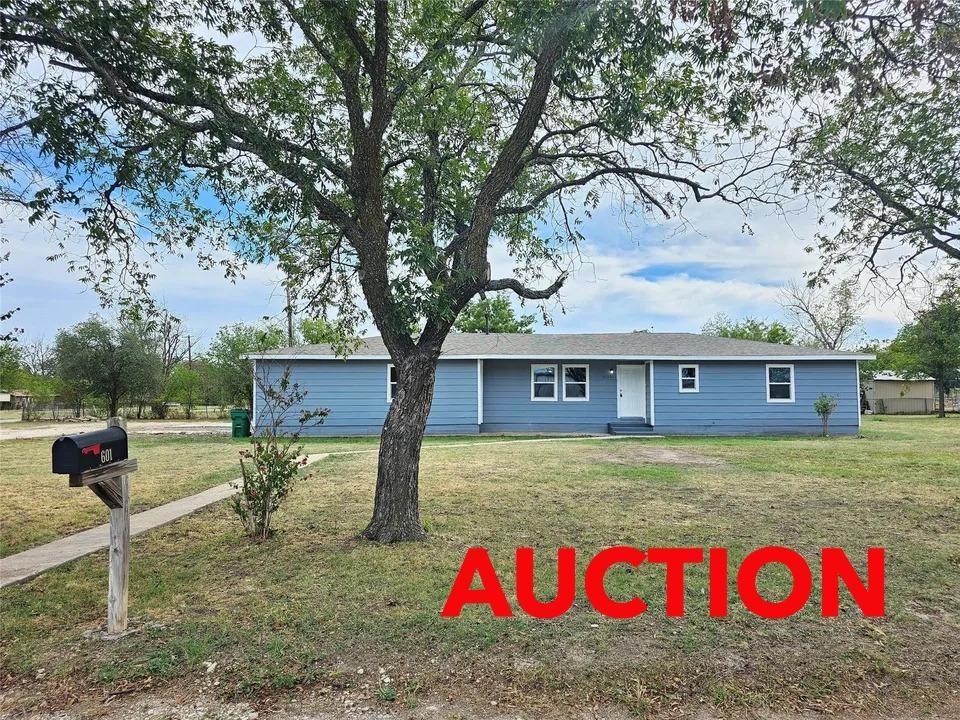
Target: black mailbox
73	454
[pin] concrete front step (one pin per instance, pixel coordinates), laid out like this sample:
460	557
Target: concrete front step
629	428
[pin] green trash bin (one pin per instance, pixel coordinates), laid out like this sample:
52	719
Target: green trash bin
240	419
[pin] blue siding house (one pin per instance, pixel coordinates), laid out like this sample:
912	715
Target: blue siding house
628	383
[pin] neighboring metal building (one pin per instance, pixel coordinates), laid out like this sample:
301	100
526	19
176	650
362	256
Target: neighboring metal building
891	394
669	383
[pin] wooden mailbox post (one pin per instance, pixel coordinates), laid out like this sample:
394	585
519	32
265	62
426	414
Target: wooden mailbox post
98	460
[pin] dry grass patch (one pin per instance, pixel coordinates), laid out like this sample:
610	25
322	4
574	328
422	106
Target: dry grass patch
38	506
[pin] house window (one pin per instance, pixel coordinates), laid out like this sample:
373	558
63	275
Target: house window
543	382
780	386
391	381
576	382
689	378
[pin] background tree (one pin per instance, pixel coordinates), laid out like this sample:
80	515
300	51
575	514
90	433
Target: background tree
170	341
145	367
103	360
11	364
829	317
337	332
869	369
494	314
748	328
383	145
39	357
186	385
930	345
232	371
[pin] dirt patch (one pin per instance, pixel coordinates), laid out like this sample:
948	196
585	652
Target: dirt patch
197	703
134	427
663	455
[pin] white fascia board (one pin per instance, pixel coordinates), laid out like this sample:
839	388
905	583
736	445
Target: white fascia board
637	358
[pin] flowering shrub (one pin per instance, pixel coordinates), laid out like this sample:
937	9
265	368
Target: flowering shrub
269	472
272	465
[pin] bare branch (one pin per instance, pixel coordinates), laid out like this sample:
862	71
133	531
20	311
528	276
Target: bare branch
523	291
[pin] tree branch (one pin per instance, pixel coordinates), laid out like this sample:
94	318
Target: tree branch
523	291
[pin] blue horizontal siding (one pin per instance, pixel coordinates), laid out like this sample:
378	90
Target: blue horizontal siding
355	392
733	399
507	406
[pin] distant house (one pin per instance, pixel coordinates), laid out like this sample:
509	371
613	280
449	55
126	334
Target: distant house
895	395
13	399
665	383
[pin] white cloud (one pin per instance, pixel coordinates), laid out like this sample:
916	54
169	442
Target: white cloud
675	276
668	278
51	298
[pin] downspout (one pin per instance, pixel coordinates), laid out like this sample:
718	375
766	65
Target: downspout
653	406
479	394
859	398
253	412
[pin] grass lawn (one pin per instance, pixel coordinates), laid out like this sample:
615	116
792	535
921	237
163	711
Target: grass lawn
10	417
313	605
39	506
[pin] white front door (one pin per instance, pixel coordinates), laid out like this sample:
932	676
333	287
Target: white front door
631	391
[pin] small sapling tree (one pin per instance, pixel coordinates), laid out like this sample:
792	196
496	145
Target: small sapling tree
272	464
825	405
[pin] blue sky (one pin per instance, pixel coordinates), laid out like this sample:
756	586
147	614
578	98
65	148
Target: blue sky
630	274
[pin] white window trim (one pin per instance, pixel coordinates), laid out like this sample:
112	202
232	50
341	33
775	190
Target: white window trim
389	384
793	383
533	397
563	379
696	378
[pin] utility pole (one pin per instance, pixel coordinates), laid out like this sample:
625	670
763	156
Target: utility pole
286	286
190	386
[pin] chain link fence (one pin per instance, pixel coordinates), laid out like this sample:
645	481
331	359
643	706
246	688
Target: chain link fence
915	406
57	411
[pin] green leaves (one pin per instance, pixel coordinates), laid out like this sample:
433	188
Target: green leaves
930	345
349	136
495	315
749	328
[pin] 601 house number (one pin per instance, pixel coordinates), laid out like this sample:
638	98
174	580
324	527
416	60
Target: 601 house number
106	455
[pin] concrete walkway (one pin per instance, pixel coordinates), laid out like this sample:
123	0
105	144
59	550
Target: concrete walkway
30	563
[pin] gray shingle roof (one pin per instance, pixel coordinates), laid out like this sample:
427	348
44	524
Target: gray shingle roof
584	345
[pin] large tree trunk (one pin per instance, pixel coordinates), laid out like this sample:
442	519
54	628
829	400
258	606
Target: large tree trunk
396	507
941	386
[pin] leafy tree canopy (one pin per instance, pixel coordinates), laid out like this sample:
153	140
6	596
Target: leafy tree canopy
391	138
106	360
227	356
338	333
930	345
494	315
11	364
881	144
748	328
